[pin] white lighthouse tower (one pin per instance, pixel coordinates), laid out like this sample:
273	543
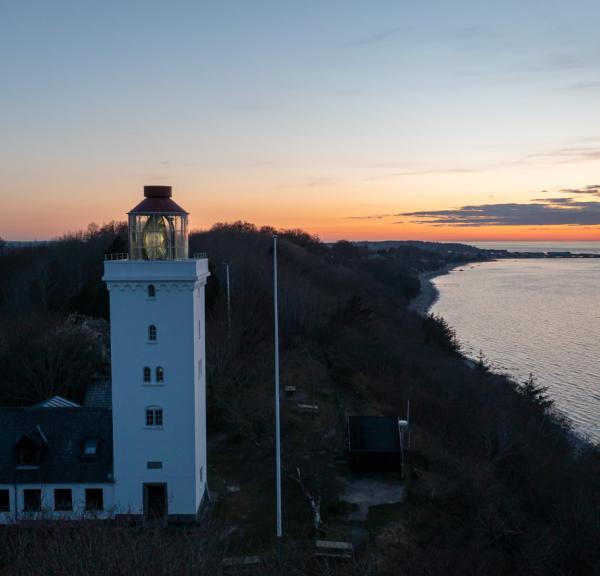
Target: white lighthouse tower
158	364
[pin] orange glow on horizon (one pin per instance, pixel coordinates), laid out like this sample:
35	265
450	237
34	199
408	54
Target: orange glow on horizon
327	228
331	212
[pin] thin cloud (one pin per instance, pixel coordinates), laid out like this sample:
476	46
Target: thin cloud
312	182
591	85
377	37
538	213
568	155
593	190
561	200
567	210
371	217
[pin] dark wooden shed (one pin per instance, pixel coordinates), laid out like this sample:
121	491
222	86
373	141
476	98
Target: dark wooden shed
374	444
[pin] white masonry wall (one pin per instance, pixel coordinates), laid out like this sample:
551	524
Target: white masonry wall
17	512
179	445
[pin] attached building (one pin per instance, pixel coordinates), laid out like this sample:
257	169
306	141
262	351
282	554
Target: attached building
55	463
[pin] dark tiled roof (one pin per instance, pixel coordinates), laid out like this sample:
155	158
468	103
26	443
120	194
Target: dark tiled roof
98	395
65	430
373	434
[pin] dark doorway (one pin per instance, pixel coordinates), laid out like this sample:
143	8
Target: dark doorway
155	501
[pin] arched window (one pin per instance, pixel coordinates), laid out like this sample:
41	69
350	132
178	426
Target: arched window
152	333
160	374
147	374
151	291
154	416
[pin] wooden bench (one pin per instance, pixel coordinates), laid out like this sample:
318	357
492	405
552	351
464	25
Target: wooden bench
308	408
329	549
241	565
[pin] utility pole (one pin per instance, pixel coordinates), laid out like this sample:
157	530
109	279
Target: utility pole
404	432
277	423
228	302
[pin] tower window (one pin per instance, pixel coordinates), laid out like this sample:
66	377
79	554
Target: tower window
160	374
152	333
154	416
151	291
147	374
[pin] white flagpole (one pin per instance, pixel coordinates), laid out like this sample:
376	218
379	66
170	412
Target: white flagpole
277	424
228	303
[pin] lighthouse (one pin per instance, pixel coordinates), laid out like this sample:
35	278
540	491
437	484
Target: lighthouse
158	364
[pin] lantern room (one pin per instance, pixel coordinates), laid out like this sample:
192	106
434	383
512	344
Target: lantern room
158	227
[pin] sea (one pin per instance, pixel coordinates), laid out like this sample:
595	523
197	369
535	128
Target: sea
534	316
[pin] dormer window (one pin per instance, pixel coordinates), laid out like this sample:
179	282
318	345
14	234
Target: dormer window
29	448
28	454
147	374
152	333
151	291
160	374
90	447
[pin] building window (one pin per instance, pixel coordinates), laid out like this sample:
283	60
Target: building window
32	500
63	499
154	416
151	291
152	333
160	374
147	374
4	501
94	499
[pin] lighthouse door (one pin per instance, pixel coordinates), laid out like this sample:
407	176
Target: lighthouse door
155	501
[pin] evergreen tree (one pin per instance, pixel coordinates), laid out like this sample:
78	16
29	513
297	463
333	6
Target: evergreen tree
537	395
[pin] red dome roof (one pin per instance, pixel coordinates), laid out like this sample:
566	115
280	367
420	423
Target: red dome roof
158	201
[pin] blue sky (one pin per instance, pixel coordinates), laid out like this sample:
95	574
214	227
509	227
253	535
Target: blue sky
293	113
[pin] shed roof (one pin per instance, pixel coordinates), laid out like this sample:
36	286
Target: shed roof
373	434
65	431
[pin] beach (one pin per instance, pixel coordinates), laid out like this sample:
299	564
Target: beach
429	293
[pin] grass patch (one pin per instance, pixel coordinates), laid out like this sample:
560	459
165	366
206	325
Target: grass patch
381	515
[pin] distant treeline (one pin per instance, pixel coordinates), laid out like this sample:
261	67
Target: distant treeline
496	483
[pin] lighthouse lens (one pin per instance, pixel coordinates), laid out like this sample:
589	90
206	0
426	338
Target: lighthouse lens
155	239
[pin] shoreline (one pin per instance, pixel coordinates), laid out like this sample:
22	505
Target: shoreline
422	304
429	294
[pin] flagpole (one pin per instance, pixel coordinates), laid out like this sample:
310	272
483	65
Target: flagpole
277	423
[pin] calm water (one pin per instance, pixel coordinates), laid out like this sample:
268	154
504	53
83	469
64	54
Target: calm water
539	316
573	247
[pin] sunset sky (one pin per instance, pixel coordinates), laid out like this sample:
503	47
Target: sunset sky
463	120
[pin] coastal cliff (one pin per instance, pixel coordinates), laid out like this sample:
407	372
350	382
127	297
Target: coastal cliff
493	483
